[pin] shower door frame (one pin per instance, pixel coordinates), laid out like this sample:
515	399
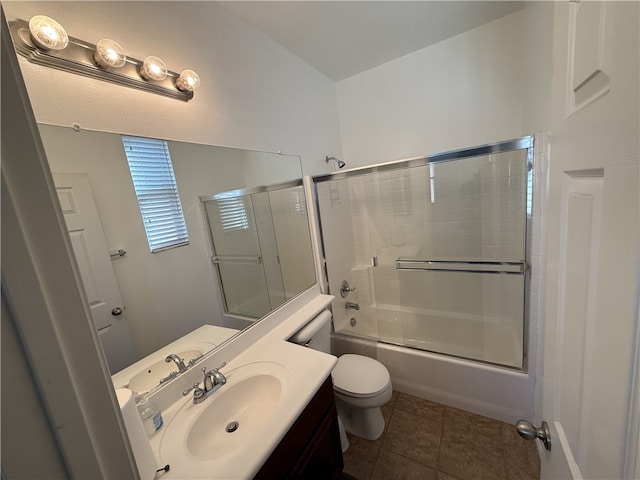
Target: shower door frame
522	143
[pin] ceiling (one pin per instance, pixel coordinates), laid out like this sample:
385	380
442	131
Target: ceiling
343	38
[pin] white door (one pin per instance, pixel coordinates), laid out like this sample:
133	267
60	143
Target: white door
590	336
92	255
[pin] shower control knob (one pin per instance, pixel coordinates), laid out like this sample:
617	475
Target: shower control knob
345	289
529	431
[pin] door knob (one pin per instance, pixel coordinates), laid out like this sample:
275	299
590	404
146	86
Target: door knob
529	431
116	311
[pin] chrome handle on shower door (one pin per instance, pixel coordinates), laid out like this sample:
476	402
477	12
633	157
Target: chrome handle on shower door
257	259
464	266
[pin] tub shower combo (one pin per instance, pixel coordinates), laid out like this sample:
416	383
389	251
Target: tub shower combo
432	254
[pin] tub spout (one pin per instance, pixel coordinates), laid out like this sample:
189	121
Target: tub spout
351	306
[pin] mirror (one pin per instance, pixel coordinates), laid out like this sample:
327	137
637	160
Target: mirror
173	293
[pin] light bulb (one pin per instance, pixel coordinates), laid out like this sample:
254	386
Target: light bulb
188	81
109	54
47	33
153	68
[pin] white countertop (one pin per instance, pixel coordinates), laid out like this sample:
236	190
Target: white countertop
306	370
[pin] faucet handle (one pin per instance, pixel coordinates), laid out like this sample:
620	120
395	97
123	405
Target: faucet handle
223	364
194	387
198	393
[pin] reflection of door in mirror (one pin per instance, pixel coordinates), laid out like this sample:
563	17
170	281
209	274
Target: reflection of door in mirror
94	263
260	239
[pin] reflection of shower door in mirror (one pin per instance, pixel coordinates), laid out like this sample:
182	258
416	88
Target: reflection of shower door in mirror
237	254
291	229
94	263
262	246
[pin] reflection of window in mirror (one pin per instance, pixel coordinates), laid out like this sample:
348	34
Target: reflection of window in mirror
233	214
157	192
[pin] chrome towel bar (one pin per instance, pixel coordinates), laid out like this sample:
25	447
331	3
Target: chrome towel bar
257	259
471	266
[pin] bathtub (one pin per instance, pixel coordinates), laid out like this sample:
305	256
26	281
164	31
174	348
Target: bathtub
496	392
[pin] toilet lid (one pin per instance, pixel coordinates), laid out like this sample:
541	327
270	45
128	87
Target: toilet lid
359	375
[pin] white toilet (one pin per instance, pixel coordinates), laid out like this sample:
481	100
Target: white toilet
361	384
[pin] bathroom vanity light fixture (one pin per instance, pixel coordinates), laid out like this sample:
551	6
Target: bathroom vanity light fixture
188	81
153	68
48	34
43	41
109	54
339	162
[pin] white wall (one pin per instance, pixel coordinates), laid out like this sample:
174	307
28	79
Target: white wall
461	92
254	94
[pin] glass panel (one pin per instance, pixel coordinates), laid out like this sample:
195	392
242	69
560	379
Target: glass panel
237	253
468	210
477	209
268	248
344	217
391	215
291	228
471	315
268	229
245	288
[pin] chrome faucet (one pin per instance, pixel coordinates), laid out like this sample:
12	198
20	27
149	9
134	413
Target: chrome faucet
213	380
178	361
351	306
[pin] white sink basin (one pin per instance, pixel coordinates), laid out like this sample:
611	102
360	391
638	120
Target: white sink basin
230	420
233	416
150	377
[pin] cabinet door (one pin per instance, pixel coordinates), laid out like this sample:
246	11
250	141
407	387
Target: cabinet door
311	449
322	459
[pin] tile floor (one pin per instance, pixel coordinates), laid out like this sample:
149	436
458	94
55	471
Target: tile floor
424	440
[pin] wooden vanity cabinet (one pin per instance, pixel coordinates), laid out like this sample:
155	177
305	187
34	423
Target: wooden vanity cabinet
311	449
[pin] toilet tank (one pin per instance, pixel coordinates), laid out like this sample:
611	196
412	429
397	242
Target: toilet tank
316	333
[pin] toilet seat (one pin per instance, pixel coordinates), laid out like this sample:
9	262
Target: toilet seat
360	376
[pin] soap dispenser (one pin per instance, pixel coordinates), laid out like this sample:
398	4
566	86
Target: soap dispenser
150	414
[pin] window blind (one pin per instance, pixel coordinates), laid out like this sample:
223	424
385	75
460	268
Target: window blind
157	192
233	214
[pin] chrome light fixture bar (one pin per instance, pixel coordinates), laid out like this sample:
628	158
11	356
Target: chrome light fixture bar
79	57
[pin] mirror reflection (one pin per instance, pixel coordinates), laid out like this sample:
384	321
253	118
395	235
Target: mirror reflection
262	247
148	305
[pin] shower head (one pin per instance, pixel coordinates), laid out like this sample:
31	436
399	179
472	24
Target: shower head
339	162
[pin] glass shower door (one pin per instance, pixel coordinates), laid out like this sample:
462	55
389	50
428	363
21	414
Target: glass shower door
463	293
